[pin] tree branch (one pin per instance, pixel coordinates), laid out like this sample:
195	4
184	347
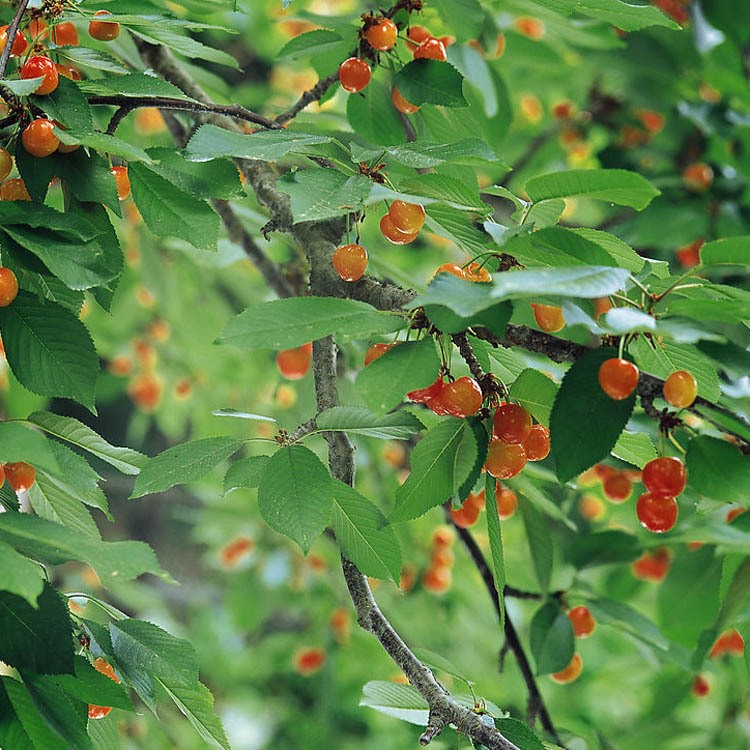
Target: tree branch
11	36
316	93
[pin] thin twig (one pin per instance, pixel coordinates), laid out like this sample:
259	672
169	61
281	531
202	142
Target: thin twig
11	36
316	93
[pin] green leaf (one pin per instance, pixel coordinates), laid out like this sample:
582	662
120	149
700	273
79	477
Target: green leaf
551	639
196	703
36	638
585	422
482	441
440	463
66	717
519	734
496	543
536	393
426	154
212	142
54	544
52	500
103	142
67	105
309	43
718	469
217	178
440	663
540	545
624	15
318	194
135	84
373	117
634	447
288	323
404	367
90	686
431	82
49	349
729	251
23	86
92	58
613	185
395	700
88	177
169	211
76	433
361	531
607	547
629	620
246	472
295	495
463	17
183	463
19	575
619	251
439	187
33	723
566	247
457	226
160	33
359	421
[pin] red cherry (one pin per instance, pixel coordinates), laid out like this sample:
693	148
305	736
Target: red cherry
698	177
8	287
571	672
511	423
701	687
582	620
307	661
376	351
431	49
689	255
20	475
665	476
505	460
354	74
393	234
37	66
548	317
537	444
417	35
443	536
530	27
19	42
293	364
618	378
401	104
462	397
425	395
656	513
507	502
680	389
123	181
467	515
733	513
14	190
350	261
730	642
407	217
104	31
652	566
382	34
617	487
65	34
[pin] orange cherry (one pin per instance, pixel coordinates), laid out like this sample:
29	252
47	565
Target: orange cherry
511	423
537	444
733	513
680	389
698	177
39	139
123	181
652	566
382	34
354	74
478	499
376	351
20	42
14	190
453	268
548	317
505	460
443	536
466	516
602	305
462	397
617	487
477	273
529	26
8	286
656	513
582	620
665	476
401	104
307	661
651	120
438	579
571	672
103	666
507	502
431	49
20	475
618	378
65	34
416	35
393	234
104	31
442	557
425	395
293	364
689	255
407	217
350	261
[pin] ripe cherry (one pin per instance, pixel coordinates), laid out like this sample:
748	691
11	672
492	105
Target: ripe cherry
617	487
571	672
103	666
656	513
354	74
123	181
6	163
462	397
511	423
350	261
582	620
8	287
507	502
307	661
393	234
601	305
443	536
235	552
652	566
425	395
688	256
618	378
680	389
700	687
104	31
591	507
14	190
146	390
382	34
665	476
39	66
407	217
401	104
548	317
39	139
417	35
505	460
730	642
431	49
453	268
537	444
376	351
438	579
529	26
20	475
477	273
442	557
733	513
65	34
477	498
466	516
19	42
698	177
651	120
293	364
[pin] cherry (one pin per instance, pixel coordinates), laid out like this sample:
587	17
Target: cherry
591	507
601	305
730	642
505	460
562	110
401	104
507	502
104	31
8	286
39	139
2	475
146	390
67	71
680	389
582	620
307	661
477	498
425	395
123	181
103	666
467	515
656	513
511	423
376	351
235	552
39	66
537	444
293	364
617	487
652	566
442	557
443	536
665	476
548	317
382	34
652	121
65	34
6	163
14	190
477	273
354	74
689	255
700	687
733	513
393	234
462	397
453	268
431	49
407	217
438	579
530	27
618	378
447	40
350	261
149	120
571	672
698	177
37	28
20	475
417	35
20	42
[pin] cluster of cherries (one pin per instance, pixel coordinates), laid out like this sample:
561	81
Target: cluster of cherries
584	624
468	514
438	577
38	137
